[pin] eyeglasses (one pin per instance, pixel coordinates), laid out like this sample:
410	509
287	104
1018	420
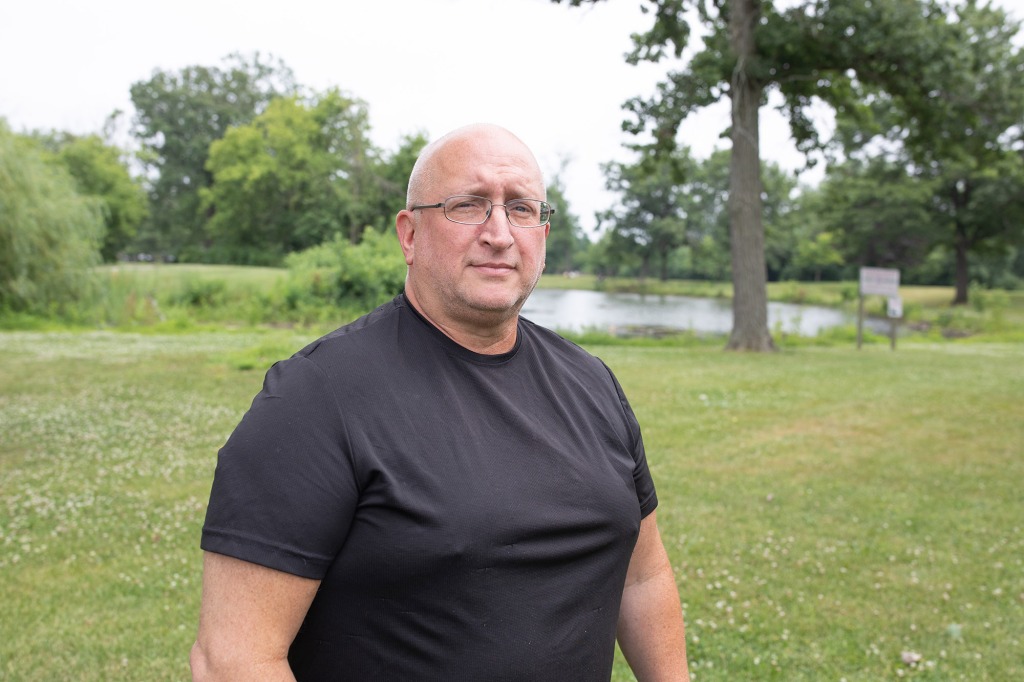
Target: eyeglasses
472	210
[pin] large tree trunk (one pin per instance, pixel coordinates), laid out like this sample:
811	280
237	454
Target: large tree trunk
746	231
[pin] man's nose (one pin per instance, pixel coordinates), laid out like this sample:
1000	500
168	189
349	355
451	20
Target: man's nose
497	228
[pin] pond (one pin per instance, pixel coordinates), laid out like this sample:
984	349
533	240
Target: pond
578	310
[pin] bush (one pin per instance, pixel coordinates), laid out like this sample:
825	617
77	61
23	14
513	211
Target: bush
342	274
201	293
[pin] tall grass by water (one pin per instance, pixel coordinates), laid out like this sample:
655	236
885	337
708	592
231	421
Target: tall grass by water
831	514
158	297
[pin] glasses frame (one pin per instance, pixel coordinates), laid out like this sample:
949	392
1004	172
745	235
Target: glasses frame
508	216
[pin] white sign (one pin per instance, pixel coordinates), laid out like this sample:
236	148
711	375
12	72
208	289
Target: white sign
882	281
895	307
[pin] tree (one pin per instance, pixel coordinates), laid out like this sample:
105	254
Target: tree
817	253
49	234
779	201
391	179
673	204
299	173
705	201
614	254
178	115
746	231
810	52
567	245
961	130
99	172
650	217
878	213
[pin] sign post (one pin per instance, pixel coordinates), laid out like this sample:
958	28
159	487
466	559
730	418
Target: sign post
883	282
894	310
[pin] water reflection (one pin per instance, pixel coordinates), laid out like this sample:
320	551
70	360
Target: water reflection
577	310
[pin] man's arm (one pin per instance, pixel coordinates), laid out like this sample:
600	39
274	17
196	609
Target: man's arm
650	628
247	620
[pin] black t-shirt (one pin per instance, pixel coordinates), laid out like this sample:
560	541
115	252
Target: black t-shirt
470	516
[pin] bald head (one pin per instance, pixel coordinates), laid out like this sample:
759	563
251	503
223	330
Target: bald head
451	150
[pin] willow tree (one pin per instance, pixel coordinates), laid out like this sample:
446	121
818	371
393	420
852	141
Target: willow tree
809	52
50	235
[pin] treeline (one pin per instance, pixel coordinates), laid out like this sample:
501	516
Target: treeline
234	163
673	223
239	164
928	105
243	165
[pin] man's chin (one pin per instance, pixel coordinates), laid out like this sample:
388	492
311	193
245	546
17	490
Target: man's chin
497	307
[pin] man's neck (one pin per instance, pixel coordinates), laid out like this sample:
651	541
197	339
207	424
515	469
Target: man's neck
486	336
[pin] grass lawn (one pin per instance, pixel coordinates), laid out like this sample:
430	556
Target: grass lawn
831	513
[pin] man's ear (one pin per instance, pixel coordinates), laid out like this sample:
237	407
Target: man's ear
405	227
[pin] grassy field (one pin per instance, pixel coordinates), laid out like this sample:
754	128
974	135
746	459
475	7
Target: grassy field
832	514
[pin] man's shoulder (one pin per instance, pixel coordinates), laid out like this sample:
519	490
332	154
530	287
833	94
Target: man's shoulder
551	344
369	332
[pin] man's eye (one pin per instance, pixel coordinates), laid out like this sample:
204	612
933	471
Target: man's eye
522	207
466	204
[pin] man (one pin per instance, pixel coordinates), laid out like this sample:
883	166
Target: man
441	490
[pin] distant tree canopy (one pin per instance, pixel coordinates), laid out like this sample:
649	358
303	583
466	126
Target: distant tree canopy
244	166
959	130
50	234
288	180
100	173
673	215
567	245
178	115
238	163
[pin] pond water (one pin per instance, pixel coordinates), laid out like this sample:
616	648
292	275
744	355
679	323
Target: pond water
578	310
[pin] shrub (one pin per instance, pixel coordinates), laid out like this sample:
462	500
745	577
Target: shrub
342	274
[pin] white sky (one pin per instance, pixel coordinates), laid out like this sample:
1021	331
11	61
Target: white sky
429	65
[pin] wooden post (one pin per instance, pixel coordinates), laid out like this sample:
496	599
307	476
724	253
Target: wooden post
894	309
860	320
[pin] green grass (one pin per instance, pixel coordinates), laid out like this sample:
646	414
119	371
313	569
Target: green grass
826	509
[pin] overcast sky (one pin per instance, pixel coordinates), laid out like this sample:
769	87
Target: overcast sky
421	65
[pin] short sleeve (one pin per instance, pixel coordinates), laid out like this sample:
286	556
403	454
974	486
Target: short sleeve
642	480
283	492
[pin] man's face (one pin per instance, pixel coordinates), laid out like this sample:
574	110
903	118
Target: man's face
475	274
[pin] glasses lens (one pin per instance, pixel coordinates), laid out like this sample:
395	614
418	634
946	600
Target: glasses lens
466	209
528	212
473	210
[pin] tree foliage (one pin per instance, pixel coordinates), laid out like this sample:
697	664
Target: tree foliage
49	234
178	115
391	177
650	219
960	128
673	214
99	172
299	173
811	51
567	245
874	213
